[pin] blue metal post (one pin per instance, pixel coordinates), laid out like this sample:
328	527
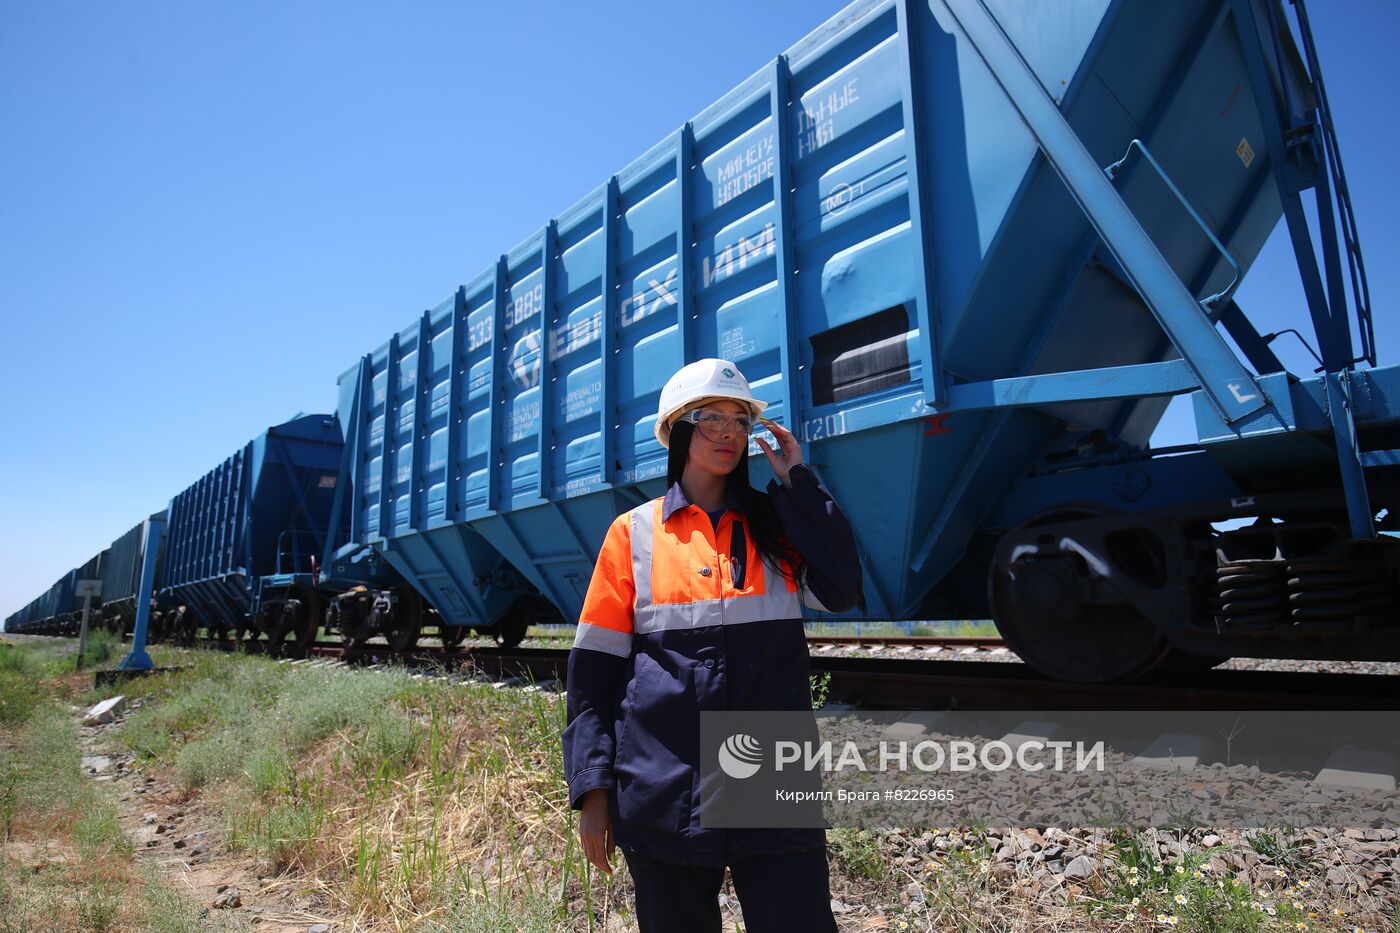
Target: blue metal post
349	472
391	417
780	102
1331	319
1291	177
1339	412
137	659
496	419
608	336
549	245
1222	377
456	375
422	394
685	309
920	214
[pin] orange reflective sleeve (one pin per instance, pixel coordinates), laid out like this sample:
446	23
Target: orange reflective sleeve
611	593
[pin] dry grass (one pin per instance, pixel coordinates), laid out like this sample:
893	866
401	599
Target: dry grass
444	810
65	863
437	806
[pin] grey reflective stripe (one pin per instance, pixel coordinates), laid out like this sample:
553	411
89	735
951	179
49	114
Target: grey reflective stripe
598	638
733	610
641	519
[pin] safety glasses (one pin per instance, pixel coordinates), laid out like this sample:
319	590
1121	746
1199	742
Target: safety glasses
714	425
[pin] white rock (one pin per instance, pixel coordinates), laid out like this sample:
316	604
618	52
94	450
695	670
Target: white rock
106	711
1079	869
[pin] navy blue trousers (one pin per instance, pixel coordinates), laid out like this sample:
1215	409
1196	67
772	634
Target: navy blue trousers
779	892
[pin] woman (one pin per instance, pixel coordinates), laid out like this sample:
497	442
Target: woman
695	603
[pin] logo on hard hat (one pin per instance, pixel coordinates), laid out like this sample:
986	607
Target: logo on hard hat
728	372
740	756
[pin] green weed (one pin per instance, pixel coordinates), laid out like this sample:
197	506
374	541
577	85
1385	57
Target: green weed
18	695
99	903
98	829
859	850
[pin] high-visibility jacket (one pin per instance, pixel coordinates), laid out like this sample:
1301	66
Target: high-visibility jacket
682	616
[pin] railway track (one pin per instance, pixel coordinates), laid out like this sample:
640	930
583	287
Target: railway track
895	681
911	683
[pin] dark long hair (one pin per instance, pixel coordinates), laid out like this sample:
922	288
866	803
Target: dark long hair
760	517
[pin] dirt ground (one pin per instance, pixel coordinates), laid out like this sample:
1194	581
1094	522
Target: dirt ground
183	835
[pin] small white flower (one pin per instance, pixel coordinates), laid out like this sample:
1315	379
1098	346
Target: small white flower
1180	898
1181	869
1136	901
1280	873
1197	875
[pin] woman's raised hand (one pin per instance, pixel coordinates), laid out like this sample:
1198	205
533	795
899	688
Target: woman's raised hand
595	829
788	455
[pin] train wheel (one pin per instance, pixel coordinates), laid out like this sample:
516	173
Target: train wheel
451	635
349	622
511	629
407	622
288	624
308	626
1036	609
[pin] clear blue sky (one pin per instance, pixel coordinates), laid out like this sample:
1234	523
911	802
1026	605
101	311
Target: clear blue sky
209	210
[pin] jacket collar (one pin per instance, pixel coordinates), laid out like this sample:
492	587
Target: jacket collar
675	499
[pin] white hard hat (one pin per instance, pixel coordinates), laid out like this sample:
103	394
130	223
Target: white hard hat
702	381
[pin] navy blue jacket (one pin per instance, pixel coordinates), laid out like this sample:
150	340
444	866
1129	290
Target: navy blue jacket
649	689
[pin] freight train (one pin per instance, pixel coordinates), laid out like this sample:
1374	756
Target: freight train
967	250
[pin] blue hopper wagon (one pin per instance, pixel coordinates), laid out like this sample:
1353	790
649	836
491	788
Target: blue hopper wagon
243	541
122	580
968	251
59	610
